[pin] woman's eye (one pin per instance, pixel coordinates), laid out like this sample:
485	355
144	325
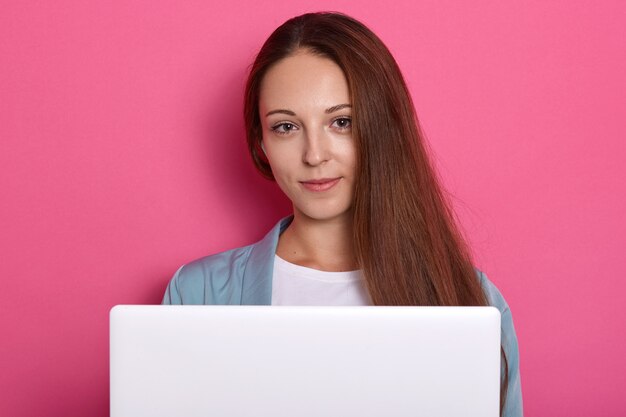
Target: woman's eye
343	123
283	128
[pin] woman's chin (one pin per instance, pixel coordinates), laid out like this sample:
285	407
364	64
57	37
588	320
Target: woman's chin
323	214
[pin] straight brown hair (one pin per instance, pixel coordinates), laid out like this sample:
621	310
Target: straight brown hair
407	242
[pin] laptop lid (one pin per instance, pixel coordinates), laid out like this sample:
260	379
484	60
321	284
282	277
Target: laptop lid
304	361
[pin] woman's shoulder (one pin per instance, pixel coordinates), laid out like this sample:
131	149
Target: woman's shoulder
513	405
209	279
494	296
235	276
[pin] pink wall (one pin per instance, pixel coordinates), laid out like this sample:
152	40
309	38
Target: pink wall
122	157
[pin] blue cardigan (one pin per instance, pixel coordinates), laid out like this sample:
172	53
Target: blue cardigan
244	276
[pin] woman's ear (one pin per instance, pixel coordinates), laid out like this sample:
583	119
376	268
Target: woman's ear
263	148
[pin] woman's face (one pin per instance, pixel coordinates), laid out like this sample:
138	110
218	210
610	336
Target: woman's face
305	115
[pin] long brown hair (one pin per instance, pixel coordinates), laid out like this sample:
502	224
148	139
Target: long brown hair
406	240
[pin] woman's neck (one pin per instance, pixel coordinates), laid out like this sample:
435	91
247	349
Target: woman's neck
325	245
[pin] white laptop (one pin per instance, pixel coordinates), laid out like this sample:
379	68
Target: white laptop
223	361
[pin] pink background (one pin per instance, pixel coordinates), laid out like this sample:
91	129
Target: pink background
122	157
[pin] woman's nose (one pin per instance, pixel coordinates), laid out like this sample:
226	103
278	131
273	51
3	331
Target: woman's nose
316	149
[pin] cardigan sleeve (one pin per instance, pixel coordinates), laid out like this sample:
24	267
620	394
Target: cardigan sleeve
211	280
172	293
513	405
189	284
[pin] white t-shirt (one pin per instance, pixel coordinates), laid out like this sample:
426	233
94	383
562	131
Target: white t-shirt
298	285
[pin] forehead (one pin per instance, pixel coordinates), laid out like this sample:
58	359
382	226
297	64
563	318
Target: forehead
303	82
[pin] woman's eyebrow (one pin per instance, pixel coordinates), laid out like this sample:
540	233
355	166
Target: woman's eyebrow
291	113
337	108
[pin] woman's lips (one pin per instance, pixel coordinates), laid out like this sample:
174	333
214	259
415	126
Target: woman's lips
321	184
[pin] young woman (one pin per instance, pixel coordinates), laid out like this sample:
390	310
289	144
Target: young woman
328	117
